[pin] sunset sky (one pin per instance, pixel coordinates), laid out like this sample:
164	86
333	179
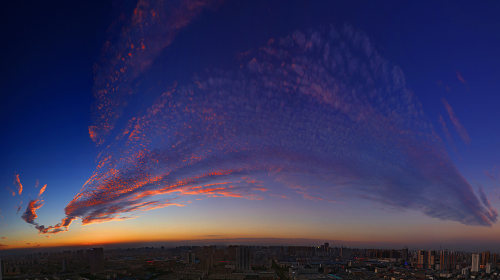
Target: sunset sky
361	122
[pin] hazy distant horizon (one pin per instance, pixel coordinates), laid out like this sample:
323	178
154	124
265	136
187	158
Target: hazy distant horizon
485	246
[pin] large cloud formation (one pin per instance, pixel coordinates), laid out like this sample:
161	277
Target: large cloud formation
318	113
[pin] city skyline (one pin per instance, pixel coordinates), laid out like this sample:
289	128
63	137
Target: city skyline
370	124
255	261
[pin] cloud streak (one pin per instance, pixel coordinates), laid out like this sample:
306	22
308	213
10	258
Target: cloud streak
493	173
461	78
42	190
315	108
17	183
456	123
493	213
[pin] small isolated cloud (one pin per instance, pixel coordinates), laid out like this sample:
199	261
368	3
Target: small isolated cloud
17	183
12	192
3	237
445	130
282	196
456	123
19	207
444	86
42	190
32	244
461	78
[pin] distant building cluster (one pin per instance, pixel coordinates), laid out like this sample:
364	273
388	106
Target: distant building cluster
251	263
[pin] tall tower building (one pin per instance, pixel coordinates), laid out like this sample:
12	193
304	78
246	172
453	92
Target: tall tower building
444	260
475	263
488	268
1	270
404	254
422	258
243	258
485	258
431	259
191	258
96	260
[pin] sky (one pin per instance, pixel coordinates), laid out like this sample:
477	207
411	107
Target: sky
361	122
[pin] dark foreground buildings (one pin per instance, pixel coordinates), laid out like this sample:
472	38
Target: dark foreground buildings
252	263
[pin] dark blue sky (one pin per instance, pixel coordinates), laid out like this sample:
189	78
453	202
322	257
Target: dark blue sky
447	50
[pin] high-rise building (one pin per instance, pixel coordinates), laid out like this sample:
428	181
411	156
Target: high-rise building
475	263
191	258
488	268
96	260
485	258
444	260
431	259
404	255
1	270
243	258
63	269
422	259
447	260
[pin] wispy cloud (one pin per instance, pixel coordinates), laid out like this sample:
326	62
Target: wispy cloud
456	123
19	207
444	86
152	27
319	108
30	217
484	199
42	190
461	78
30	214
445	130
12	192
493	173
17	183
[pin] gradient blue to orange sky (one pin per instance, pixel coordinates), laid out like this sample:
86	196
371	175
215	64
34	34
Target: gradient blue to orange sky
361	122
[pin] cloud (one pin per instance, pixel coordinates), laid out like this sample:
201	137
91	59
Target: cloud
445	129
42	190
30	214
456	123
447	134
153	26
315	108
279	196
493	173
461	78
444	86
484	199
12	192
18	184
19	207
3	237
